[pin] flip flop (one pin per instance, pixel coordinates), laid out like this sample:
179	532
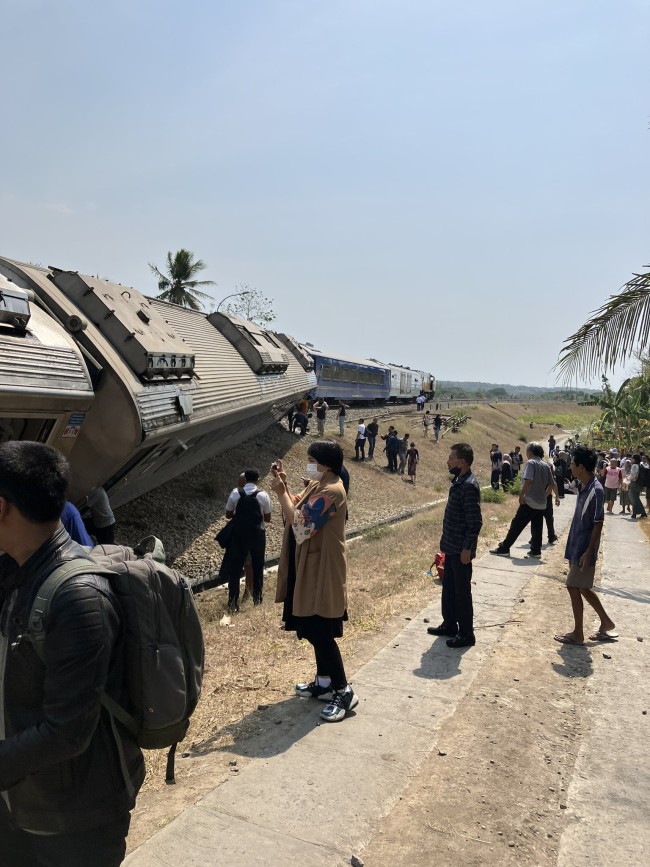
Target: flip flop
566	639
604	636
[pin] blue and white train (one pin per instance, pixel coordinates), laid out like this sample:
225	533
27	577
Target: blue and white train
350	379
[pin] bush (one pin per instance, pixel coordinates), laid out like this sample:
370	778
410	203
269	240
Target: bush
522	438
492	496
515	487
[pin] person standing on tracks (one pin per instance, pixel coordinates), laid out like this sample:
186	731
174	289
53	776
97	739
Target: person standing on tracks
249	508
392	449
320	408
413	459
343	407
360	442
372	430
312	573
460	530
403	449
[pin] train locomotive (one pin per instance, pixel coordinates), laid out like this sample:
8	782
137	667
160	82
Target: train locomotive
354	380
135	391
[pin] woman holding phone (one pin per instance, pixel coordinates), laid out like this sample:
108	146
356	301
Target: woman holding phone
312	572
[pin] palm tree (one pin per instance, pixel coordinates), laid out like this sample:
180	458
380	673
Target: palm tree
611	335
177	286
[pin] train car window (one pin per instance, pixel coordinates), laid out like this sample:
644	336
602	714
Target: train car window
247	334
272	340
36	429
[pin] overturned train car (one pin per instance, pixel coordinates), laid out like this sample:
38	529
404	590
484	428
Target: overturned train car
134	391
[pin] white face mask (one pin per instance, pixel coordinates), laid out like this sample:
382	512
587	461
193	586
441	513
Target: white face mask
312	473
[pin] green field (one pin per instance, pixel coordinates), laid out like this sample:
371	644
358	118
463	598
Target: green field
568	420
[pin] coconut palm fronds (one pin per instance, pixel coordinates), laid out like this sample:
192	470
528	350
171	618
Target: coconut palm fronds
611	335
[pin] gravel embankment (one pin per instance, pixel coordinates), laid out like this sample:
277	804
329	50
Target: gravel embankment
187	512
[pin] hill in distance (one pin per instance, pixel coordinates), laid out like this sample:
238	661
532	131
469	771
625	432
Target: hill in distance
497	389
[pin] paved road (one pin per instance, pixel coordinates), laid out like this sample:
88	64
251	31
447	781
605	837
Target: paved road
319	793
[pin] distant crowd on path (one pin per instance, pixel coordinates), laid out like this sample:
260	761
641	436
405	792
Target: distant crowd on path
597	478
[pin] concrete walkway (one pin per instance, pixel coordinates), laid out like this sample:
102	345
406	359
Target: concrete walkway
609	795
318	792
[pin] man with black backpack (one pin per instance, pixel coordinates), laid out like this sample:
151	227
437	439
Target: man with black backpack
249	508
69	772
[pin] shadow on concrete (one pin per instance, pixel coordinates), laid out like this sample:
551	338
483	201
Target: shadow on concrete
440	662
576	661
621	593
267	731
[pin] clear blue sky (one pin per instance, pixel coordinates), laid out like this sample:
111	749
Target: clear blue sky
450	185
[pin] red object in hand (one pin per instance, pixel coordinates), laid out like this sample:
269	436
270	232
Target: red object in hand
439	561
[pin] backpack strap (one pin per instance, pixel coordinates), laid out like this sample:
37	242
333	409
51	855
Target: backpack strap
36	630
43	602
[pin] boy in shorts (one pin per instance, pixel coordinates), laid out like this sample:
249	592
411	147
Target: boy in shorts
582	550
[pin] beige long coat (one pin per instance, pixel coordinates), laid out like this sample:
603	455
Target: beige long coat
321	559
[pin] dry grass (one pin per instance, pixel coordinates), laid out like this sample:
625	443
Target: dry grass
252	662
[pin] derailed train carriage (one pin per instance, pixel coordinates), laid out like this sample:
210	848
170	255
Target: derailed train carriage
134	391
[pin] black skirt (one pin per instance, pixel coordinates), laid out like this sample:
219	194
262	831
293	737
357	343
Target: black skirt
315	629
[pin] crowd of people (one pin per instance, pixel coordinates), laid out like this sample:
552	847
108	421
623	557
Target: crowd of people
53	726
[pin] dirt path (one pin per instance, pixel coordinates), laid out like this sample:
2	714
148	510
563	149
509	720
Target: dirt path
499	792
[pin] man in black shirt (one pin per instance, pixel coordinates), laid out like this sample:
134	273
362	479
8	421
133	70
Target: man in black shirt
460	529
372	430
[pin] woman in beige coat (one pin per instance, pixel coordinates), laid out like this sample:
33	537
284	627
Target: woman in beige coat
312	572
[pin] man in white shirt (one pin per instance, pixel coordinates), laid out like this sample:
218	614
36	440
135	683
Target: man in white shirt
250	509
360	442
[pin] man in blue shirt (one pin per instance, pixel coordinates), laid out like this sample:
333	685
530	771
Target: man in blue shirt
582	550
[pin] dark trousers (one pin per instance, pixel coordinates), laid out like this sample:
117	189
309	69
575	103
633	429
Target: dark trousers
360	449
635	496
524	516
371	444
97	847
104	535
457	609
548	517
329	662
495	476
253	542
392	461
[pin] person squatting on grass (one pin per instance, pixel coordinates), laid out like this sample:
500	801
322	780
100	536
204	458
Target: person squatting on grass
460	528
312	572
582	550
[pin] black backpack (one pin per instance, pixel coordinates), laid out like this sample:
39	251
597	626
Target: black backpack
163	640
644	477
248	512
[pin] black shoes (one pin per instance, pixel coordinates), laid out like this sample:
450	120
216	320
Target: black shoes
441	630
552	540
461	641
500	552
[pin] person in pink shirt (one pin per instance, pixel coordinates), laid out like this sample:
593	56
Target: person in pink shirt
612	477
